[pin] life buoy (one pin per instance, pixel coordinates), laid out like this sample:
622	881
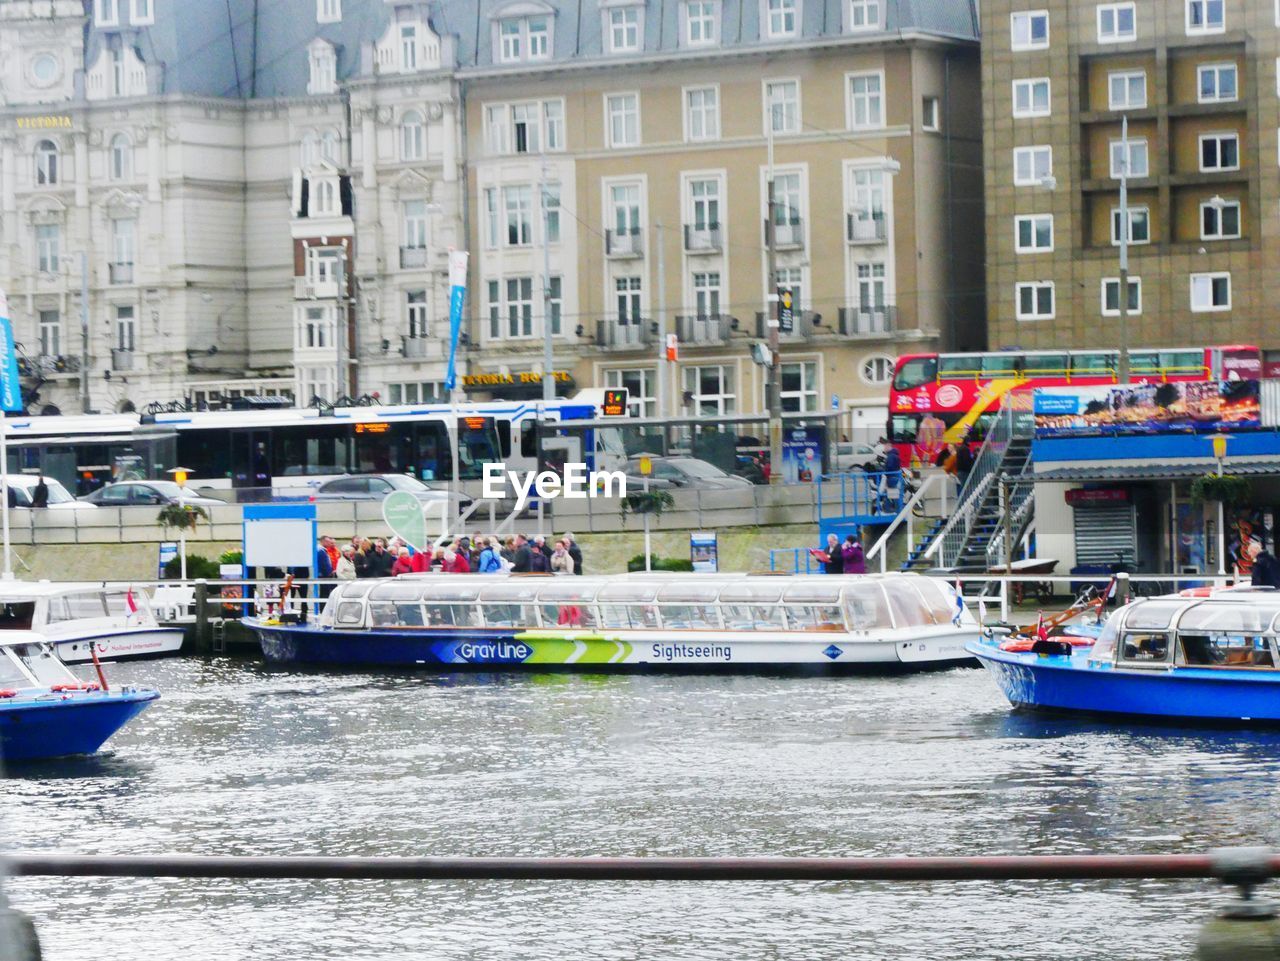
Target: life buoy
73	686
8	692
1022	645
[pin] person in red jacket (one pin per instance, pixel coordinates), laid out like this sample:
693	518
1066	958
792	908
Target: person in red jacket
421	561
456	562
403	564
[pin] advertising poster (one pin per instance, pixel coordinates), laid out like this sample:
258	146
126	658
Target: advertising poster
704	552
232	592
801	455
168	551
1146	408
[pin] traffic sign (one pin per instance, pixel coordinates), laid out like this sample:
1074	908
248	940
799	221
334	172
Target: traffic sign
786	315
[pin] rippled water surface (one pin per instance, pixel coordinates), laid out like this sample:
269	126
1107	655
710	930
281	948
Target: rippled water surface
238	758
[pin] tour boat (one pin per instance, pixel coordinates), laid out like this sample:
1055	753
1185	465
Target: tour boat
47	712
81	619
709	622
1205	658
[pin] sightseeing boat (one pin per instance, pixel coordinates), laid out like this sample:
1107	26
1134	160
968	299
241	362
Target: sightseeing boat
711	622
1204	658
81	620
47	712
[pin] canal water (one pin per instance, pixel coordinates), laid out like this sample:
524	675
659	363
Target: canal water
240	758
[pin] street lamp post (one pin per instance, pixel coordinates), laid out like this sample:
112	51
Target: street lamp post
1122	297
1220	455
180	478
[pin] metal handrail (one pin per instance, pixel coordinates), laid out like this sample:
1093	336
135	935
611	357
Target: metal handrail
906	513
1261	865
1021	498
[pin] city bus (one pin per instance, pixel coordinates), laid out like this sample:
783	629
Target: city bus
288	452
937	399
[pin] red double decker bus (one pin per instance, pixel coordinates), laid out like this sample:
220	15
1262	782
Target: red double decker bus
937	399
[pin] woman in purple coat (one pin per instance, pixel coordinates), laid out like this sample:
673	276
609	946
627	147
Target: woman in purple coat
855	562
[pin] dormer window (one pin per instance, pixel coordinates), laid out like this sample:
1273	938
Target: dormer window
325	198
106	13
864	15
782	18
323	61
623	29
409	46
524	38
701	20
328	11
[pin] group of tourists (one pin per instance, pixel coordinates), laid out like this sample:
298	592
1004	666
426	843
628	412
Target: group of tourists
390	557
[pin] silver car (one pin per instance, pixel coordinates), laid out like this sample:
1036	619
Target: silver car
374	487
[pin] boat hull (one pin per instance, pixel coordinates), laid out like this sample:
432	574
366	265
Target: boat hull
37	726
1059	682
123	645
498	648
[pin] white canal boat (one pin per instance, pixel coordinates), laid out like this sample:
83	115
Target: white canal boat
78	620
712	622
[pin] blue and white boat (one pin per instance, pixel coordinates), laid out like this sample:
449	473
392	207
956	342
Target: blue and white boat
686	622
1209	658
47	712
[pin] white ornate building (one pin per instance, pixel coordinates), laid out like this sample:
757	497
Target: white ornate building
257	198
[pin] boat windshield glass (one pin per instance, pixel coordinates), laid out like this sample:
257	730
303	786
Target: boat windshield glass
396	603
86	604
1152	615
813	594
628	591
1213	616
865	604
356	588
40	660
510	605
1104	648
11	674
908	609
700	593
939	600
567	605
16	614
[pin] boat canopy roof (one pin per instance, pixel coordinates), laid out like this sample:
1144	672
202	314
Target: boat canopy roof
1238	609
29	590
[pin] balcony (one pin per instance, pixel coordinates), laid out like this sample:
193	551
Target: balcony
412	258
786	236
307	288
708	329
415	348
703	240
120	273
805	324
860	229
635	334
624	244
121	359
868	321
53	365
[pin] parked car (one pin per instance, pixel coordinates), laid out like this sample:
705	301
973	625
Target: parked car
374	487
669	472
849	456
22	486
133	493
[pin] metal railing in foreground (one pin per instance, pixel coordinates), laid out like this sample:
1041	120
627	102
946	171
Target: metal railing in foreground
1246	867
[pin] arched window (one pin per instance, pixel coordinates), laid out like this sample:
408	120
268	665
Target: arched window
121	157
412	136
310	149
330	147
46	162
326	197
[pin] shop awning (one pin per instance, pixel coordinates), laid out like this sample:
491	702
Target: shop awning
1159	472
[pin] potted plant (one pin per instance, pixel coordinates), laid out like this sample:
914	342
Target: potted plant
181	517
1229	490
647	502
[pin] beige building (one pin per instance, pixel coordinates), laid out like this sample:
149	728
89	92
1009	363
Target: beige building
644	129
1197	81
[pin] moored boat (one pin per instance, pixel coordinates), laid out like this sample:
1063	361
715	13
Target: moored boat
710	622
1209	658
47	712
79	620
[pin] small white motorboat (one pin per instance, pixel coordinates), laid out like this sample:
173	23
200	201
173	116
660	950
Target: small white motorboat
80	620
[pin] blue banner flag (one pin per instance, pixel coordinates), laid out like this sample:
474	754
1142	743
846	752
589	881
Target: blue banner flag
10	389
457	296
